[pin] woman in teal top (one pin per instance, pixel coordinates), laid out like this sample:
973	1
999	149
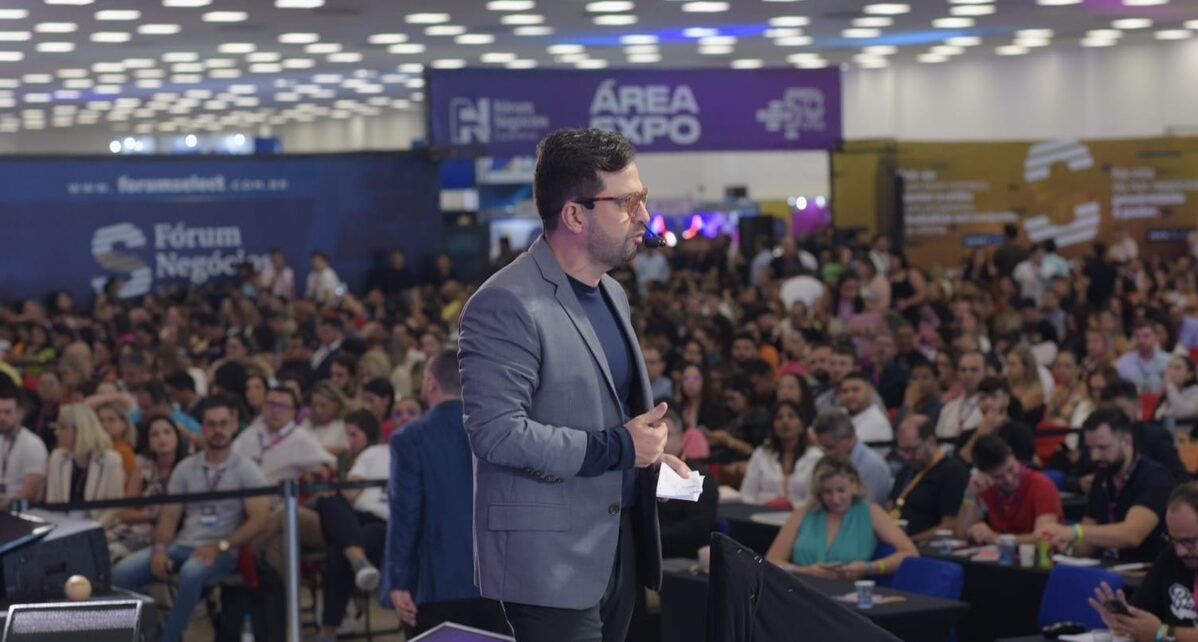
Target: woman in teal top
836	533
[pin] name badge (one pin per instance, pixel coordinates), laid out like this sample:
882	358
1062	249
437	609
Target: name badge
208	515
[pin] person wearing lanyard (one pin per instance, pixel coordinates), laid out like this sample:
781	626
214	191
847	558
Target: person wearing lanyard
22	454
962	414
1125	517
928	490
1162	608
1015	500
204	549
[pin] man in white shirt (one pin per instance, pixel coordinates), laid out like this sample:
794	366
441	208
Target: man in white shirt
856	396
1145	364
650	265
283	451
962	413
277	278
842	362
323	282
1032	275
22	453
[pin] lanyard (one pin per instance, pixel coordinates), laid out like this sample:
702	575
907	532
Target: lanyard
213	482
278	439
10	446
902	498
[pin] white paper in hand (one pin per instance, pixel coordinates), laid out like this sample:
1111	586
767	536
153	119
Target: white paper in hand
672	486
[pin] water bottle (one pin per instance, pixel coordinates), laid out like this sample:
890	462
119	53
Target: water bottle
247	629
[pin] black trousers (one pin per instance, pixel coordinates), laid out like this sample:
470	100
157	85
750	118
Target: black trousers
345	527
479	614
607	621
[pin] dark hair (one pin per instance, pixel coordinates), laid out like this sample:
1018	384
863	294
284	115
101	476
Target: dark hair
216	401
347	361
230	377
991	385
155	390
990	452
771	443
366	422
966	353
739	383
1119	389
926	428
1113	417
381	387
9	391
756	366
1010	231
180	380
143	438
806	401
1144	323
835	423
333	321
284	390
855	375
845	350
444	370
925	363
318	253
746	336
568	163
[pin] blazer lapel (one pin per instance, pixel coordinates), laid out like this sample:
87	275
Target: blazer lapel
552	272
640	388
95	469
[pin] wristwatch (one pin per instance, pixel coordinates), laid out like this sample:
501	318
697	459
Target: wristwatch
223	545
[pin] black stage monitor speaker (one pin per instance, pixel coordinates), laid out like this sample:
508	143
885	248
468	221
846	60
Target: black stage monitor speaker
114	621
450	632
38	570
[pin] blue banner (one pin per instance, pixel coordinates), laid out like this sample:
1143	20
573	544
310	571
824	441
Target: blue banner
505	112
166	222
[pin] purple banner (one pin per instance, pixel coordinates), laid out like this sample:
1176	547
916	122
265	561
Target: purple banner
505	112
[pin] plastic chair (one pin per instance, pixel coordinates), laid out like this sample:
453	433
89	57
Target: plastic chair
1067	593
934	578
1148	405
722	525
883	550
1046	445
1057	477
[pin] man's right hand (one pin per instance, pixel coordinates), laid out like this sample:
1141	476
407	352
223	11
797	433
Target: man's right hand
648	435
160	565
404	606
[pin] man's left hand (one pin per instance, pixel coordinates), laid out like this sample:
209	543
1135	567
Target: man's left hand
206	553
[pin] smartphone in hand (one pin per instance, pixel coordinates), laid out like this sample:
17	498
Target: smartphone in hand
1117	607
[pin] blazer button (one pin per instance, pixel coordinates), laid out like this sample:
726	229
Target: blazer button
614	509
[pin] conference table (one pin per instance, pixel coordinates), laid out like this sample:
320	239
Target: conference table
1005	600
916	618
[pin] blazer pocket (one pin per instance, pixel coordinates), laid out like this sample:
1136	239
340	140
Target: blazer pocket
528	517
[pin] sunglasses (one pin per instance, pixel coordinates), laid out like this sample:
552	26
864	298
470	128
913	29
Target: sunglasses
629	203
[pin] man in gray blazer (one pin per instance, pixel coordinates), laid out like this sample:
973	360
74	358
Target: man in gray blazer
557	407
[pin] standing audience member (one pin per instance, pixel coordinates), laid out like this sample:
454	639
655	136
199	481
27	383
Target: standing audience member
277	278
205	548
429	575
84	467
354	523
323	285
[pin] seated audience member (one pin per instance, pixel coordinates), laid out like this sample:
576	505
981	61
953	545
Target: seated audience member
694	404
84	467
205	548
284	451
408	409
378	396
1152	439
841	363
1017	500
686	526
928	490
159	451
1162	606
835	534
660	385
23	454
256	385
1125	517
1070	402
962	413
343	374
1180	400
428	574
856	396
834	434
153	399
354	523
994	400
1022	376
327	407
780	469
922	396
123	435
747	426
792	386
1145	364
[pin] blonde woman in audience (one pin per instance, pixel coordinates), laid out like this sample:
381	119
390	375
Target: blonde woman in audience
1023	376
123	434
835	533
327	408
84	467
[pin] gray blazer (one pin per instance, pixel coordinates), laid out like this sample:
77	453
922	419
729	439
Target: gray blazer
534	381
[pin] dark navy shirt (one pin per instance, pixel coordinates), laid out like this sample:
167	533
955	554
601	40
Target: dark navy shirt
610	449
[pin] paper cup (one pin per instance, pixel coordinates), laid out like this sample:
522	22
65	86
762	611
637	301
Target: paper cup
865	593
1027	555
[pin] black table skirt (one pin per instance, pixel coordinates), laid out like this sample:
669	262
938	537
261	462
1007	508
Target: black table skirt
916	619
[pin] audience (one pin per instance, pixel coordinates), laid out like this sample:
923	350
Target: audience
159	451
686	526
23	458
963	413
326	408
1145	364
994	401
84	467
204	549
835	534
928	490
1015	499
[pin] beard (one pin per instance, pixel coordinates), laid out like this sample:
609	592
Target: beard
218	442
610	250
1111	466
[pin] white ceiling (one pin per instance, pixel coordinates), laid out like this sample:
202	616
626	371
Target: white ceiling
225	75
